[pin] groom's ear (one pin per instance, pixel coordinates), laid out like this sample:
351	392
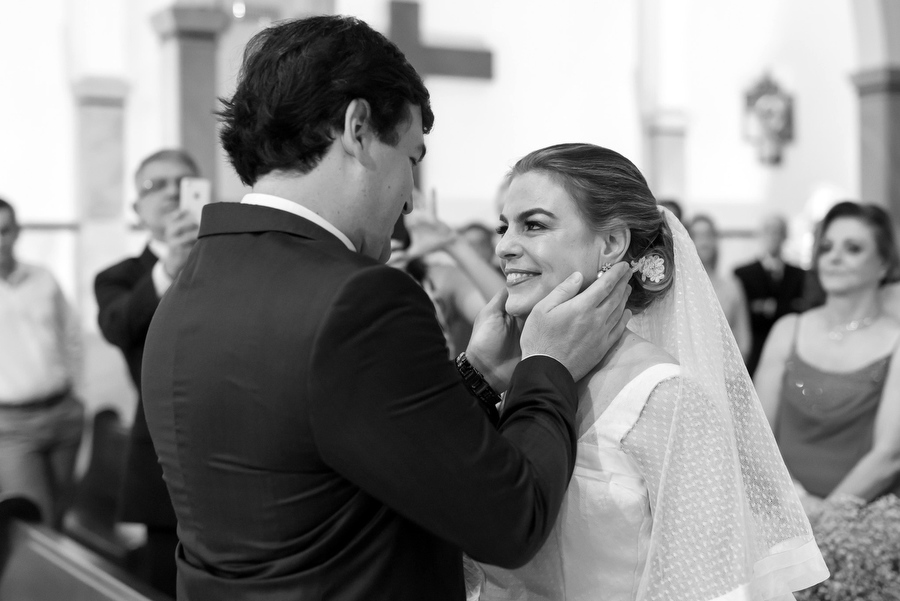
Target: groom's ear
614	244
358	132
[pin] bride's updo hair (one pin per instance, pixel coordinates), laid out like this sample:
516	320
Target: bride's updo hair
610	192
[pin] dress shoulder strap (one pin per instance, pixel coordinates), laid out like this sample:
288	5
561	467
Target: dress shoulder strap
625	409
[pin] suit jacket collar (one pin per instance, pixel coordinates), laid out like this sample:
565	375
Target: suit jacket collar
238	218
147	258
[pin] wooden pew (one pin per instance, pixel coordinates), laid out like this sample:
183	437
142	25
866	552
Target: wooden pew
39	564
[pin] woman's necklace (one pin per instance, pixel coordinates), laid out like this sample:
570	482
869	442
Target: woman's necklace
838	332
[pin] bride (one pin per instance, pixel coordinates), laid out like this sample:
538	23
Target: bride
679	491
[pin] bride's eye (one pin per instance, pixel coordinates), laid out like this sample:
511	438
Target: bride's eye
501	229
534	225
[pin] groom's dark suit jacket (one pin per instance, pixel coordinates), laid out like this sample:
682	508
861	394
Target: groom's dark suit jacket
315	439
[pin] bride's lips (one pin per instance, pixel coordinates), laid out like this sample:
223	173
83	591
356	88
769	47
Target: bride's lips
517	276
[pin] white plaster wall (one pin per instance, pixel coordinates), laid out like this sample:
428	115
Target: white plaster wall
37	132
36	163
809	47
563	72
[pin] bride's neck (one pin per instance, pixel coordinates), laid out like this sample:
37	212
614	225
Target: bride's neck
615	350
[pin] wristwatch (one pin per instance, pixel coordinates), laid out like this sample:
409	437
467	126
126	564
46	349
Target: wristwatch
479	388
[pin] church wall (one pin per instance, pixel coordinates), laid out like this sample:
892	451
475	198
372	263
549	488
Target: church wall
36	163
808	47
563	72
572	71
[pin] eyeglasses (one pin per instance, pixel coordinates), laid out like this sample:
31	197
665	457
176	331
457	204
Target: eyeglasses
149	186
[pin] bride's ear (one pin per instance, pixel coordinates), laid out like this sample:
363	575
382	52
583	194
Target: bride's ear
613	244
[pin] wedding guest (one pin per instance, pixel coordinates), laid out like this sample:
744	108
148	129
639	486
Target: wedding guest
772	286
829	378
127	295
41	418
316	440
417	268
481	238
463	285
705	235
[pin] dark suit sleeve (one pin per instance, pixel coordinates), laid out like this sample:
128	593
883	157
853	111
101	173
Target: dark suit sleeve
127	300
391	414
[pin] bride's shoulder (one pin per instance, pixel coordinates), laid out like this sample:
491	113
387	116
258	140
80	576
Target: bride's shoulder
629	364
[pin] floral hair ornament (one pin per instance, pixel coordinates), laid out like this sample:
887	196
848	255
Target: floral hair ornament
651	267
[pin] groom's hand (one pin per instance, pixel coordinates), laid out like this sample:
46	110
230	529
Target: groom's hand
578	329
494	345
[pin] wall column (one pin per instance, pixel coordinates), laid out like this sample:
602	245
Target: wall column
879	129
99	148
189	42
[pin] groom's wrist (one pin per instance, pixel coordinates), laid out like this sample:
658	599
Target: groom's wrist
479	387
487	371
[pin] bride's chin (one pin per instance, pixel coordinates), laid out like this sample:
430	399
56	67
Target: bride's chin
518	310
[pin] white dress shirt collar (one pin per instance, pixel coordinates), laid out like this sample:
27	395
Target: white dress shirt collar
276	202
159	248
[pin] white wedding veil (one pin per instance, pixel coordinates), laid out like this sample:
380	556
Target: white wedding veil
726	517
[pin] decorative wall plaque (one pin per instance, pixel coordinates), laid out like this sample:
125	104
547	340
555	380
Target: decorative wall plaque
769	119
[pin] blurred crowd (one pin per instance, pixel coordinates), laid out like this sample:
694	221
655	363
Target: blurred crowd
820	344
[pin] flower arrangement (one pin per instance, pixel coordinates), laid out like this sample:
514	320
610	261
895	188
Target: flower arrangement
861	545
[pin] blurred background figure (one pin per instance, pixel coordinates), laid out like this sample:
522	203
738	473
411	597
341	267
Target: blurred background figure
418	270
729	292
127	296
481	238
674	206
458	275
773	288
41	419
829	378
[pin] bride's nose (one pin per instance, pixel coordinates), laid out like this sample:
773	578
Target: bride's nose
508	246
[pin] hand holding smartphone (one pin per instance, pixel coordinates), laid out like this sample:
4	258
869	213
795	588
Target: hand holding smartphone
194	194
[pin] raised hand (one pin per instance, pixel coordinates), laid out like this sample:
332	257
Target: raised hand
429	235
180	236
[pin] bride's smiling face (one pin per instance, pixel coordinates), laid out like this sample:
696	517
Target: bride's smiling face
544	240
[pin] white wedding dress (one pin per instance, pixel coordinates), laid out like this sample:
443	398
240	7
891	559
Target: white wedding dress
603	530
679	492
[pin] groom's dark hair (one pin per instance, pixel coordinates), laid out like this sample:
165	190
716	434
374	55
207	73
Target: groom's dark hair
295	84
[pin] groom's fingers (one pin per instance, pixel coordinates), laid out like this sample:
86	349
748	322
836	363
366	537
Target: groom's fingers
499	300
564	291
609	288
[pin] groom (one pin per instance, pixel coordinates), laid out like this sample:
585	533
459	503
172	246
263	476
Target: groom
315	440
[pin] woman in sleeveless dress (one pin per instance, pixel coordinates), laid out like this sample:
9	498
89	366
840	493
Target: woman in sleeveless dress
829	379
678	492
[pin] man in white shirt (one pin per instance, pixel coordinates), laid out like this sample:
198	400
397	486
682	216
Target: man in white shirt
127	296
41	420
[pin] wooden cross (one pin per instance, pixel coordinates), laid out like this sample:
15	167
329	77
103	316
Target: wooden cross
434	60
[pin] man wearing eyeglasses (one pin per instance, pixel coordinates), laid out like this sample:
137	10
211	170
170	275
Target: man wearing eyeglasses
127	295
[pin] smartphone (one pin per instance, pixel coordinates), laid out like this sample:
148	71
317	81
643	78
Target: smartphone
195	193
